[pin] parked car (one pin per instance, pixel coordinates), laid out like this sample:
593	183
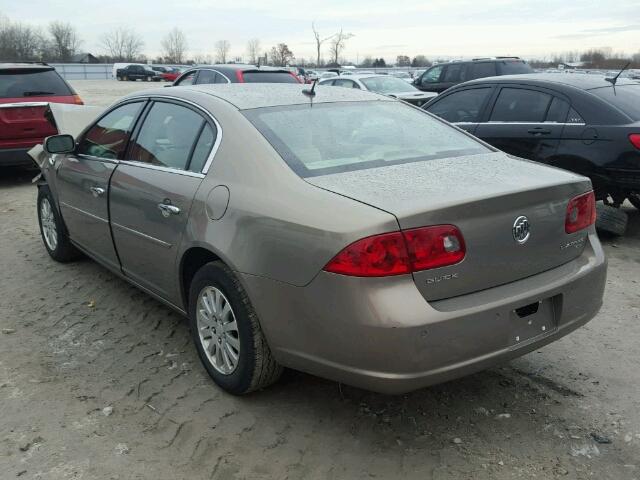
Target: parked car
25	91
340	232
384	84
172	74
137	72
581	123
235	73
445	75
406	76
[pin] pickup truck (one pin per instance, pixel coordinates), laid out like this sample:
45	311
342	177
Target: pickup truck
137	72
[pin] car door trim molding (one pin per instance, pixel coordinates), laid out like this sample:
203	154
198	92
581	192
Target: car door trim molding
135	163
162	243
79	210
216	144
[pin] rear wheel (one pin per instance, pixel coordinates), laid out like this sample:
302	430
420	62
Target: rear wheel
634	198
611	220
54	235
227	333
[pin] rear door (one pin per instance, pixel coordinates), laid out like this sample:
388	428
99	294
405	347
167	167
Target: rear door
463	107
83	181
151	192
525	121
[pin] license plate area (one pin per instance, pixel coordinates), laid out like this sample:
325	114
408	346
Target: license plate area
533	320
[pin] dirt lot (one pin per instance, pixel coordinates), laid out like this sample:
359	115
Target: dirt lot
99	381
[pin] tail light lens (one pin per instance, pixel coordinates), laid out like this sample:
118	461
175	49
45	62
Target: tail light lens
77	100
399	253
581	213
634	138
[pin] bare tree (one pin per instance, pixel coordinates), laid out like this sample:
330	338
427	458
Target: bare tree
203	59
19	41
64	40
281	55
319	42
122	44
222	50
174	46
253	50
337	45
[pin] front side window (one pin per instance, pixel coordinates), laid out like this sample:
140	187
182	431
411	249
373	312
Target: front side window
108	138
462	106
520	105
432	75
167	136
329	138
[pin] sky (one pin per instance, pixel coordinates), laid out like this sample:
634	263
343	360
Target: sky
380	28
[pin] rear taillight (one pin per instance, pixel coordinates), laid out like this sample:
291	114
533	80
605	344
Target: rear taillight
581	212
634	138
77	100
399	253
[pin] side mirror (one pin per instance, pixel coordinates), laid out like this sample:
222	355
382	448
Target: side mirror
59	144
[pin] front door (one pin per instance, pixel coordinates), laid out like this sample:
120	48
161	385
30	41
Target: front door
151	193
463	106
83	182
525	122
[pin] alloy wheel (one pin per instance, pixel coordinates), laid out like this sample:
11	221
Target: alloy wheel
48	222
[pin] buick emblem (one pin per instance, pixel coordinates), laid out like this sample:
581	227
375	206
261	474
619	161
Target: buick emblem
521	229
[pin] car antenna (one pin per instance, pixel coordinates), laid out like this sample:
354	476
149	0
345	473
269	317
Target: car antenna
615	79
312	92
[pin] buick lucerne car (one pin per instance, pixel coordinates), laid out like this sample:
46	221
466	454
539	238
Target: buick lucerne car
338	232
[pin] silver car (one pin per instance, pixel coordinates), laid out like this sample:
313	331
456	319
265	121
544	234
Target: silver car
338	232
385	84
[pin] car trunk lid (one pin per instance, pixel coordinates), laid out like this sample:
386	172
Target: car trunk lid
483	195
23	122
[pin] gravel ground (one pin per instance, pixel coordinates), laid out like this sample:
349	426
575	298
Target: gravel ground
99	381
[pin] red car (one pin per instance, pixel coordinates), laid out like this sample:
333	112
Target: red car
25	91
171	75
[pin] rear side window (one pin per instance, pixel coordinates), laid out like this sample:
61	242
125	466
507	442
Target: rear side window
108	138
345	83
202	149
329	138
623	97
463	106
557	111
453	73
514	67
481	70
268	77
520	105
21	83
167	136
206	76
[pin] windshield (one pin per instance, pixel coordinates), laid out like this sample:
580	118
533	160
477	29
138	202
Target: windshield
387	84
31	83
624	97
338	137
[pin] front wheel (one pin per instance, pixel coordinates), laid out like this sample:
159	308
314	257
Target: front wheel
227	333
54	235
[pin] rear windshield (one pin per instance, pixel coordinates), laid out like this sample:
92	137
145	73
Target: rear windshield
624	97
514	67
268	77
31	83
331	138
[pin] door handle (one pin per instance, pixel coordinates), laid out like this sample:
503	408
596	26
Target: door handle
97	191
168	209
539	131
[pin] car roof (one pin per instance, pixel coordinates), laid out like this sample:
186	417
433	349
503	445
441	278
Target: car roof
245	96
582	82
25	66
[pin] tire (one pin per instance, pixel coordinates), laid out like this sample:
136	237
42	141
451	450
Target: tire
254	368
125	78
611	220
634	199
52	229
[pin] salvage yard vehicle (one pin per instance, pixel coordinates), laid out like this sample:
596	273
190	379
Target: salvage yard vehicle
583	123
445	75
234	73
384	84
25	91
336	231
137	72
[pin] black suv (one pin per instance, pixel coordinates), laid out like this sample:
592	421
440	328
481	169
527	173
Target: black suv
582	123
445	75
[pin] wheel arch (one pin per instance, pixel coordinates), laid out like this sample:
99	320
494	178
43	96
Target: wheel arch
582	166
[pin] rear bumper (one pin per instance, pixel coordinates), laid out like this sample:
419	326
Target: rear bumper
381	335
16	157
